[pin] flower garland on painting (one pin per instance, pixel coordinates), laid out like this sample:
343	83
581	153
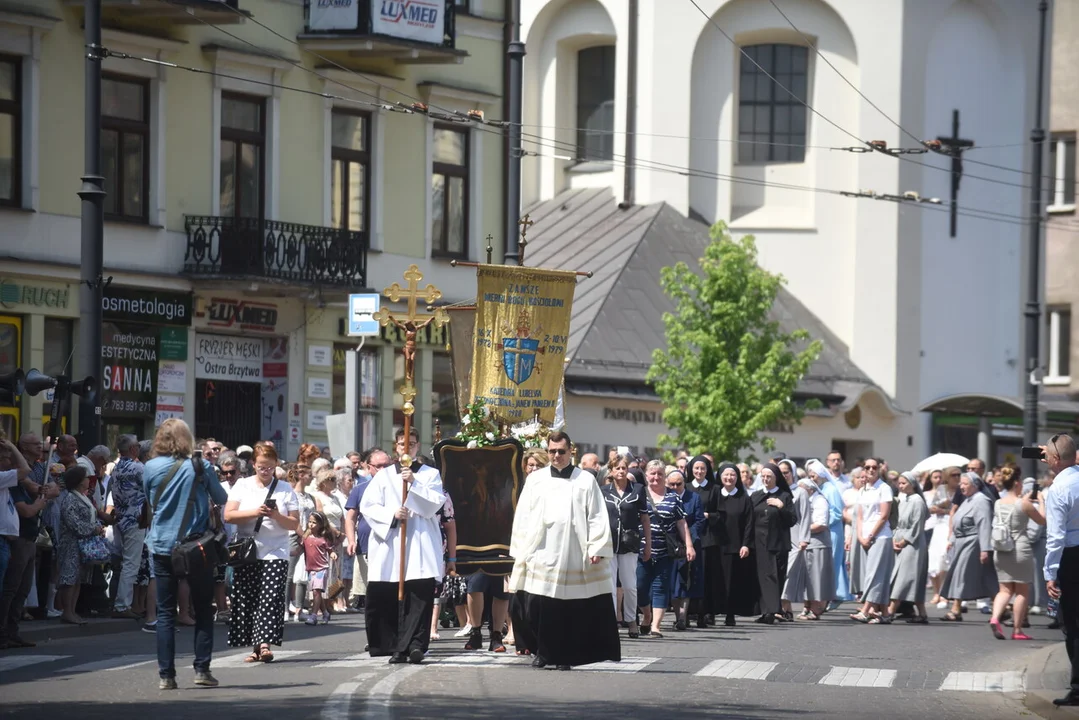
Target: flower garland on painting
477	429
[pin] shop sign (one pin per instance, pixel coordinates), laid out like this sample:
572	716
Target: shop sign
151	306
236	314
129	369
220	357
319	388
173	343
316	420
33	295
334	14
633	416
320	355
420	20
169	406
172	377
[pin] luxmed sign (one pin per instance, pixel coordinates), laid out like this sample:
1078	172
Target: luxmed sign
420	20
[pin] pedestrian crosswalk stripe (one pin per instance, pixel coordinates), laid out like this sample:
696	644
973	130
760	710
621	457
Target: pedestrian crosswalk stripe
737	669
14	662
627	665
1003	682
237	660
120	662
859	677
353	661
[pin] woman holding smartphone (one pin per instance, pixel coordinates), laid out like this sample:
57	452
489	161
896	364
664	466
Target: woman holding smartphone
267	509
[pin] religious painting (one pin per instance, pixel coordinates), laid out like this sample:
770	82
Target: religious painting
484	484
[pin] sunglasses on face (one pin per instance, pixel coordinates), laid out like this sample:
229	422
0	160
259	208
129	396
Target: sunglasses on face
557	451
872	467
228	472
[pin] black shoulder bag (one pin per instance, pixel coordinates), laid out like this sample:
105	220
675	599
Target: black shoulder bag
243	551
198	552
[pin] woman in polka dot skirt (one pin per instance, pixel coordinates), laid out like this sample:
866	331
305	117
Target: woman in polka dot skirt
267	509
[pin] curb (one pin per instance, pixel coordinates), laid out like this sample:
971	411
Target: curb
43	631
1046	673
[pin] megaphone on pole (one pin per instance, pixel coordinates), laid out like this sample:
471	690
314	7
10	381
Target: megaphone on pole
37	382
11	386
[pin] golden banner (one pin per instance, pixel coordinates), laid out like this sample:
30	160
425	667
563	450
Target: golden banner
522	327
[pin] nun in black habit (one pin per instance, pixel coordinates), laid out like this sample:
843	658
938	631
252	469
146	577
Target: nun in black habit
773	517
730	576
704	483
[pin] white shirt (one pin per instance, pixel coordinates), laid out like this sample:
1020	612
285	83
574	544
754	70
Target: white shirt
869	500
272	539
818	509
423	537
1061	518
9	516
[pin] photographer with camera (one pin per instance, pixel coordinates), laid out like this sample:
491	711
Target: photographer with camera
1062	545
180	500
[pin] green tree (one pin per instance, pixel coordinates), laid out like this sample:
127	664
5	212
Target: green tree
729	372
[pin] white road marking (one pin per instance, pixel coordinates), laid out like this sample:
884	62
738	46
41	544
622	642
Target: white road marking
14	662
354	661
378	704
627	666
859	677
120	662
237	660
1001	682
337	704
737	669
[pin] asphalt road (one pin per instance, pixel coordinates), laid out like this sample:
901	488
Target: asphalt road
834	668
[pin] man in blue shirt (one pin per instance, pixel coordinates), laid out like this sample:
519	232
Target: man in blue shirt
1062	547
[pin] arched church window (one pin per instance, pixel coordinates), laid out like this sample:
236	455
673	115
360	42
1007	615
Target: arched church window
772	123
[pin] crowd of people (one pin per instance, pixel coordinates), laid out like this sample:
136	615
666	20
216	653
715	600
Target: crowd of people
692	542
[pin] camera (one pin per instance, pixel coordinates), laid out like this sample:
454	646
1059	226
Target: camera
1031	453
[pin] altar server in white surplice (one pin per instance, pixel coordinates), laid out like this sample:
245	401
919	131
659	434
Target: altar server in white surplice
403	634
561	545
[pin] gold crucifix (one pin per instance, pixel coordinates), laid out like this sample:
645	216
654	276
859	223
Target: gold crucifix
526	222
411	322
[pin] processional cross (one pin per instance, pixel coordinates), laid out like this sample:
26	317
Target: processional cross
954	146
411	321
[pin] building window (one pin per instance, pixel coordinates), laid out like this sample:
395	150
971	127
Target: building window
125	147
771	123
350	179
57	361
370	390
449	189
595	103
1062	171
1060	343
10	131
243	143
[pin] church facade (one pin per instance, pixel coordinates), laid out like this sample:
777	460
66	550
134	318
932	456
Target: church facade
923	299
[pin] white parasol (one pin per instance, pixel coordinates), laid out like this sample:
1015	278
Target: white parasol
939	462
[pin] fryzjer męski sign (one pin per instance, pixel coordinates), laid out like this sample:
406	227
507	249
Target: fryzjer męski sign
221	357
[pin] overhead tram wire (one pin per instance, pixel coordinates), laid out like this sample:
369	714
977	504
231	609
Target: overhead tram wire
902	129
653	165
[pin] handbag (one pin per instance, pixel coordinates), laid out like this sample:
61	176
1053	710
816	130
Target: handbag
199	552
335	589
93	550
675	547
243	551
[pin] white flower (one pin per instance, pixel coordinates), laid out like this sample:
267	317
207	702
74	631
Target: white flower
491	436
486	411
472	444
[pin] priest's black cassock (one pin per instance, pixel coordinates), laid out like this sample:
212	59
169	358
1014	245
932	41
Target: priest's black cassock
562	610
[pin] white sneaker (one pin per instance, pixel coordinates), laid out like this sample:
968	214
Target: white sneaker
1035	609
465	631
942	604
53	614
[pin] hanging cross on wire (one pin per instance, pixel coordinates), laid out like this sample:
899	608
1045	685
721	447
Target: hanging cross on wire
953	147
526	222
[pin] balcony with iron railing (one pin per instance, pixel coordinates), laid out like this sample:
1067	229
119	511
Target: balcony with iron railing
404	31
229	248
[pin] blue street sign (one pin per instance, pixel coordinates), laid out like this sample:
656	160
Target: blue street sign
361	310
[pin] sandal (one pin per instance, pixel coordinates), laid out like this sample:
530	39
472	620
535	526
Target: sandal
252	658
265	655
524	653
656	634
807	616
860	617
951	617
918	620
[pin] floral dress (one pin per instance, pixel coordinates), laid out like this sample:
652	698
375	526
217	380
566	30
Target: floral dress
77	521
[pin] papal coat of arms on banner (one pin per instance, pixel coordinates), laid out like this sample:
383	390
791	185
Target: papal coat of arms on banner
519	349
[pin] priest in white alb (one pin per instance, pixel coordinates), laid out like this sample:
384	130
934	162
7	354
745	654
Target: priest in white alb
561	545
403	633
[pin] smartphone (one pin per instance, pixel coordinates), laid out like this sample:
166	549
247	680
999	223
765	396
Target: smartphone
1031	453
271	503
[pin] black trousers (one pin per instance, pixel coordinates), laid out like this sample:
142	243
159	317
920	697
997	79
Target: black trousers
392	628
1068	581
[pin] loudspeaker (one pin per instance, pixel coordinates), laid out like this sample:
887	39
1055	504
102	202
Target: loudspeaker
85	387
11	386
37	382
